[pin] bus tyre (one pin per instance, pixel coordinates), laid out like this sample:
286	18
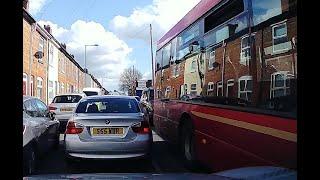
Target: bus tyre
187	146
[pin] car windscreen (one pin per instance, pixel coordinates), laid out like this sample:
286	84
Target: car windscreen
108	105
67	99
91	93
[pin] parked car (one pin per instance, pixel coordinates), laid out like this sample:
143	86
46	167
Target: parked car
63	105
40	132
108	127
137	98
147	102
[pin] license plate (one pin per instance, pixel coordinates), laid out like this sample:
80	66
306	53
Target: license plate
107	131
66	109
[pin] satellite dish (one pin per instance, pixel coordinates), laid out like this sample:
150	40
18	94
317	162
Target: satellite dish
39	54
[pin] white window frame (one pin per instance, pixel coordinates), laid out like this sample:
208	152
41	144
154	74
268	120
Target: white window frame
211	59
176	70
230	82
273	38
192	70
168	90
244	59
51	55
51	89
246	79
62	88
287	76
185	88
193	90
210	84
39	85
41	47
25	79
31	85
219	85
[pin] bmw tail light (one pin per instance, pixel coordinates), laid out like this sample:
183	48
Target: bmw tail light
52	108
73	128
141	127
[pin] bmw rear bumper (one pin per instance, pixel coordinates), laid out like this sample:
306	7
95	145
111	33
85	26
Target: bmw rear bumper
137	148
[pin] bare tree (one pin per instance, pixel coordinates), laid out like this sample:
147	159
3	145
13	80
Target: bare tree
128	78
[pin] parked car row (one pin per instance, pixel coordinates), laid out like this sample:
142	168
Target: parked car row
94	127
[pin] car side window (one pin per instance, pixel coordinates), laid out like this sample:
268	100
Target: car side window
42	108
30	108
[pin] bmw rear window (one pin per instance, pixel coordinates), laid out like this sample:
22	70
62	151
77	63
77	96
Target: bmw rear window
108	105
67	99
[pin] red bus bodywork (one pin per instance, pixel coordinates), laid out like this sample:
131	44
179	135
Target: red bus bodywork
227	139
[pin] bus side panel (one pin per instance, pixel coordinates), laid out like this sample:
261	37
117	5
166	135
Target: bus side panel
255	147
219	155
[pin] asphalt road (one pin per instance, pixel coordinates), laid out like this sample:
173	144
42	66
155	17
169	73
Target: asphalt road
165	159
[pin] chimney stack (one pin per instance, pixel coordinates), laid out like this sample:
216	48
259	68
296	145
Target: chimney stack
47	28
64	46
26	5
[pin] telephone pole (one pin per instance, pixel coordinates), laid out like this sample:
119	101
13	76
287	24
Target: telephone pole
151	55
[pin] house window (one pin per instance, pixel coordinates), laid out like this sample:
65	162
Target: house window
230	84
245	50
68	88
56	88
185	88
39	88
193	89
279	38
245	88
25	80
62	88
175	70
280	84
210	87
193	66
31	85
50	89
167	93
219	88
41	48
212	59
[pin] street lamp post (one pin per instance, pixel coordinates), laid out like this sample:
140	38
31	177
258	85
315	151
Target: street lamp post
85	59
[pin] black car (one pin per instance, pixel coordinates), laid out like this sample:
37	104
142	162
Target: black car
40	132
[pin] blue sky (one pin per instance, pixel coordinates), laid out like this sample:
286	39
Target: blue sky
120	27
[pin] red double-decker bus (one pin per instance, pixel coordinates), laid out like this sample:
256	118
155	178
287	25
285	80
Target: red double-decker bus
225	84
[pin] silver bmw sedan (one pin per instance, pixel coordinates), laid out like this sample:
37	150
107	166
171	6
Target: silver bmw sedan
108	127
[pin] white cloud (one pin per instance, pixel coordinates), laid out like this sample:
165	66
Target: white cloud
162	14
109	59
35	6
146	76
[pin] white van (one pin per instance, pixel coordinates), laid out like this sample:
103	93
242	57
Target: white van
92	91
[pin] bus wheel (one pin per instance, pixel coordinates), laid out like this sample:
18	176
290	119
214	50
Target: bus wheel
187	146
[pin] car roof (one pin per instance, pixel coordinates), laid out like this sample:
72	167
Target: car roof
68	94
109	97
91	89
28	97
